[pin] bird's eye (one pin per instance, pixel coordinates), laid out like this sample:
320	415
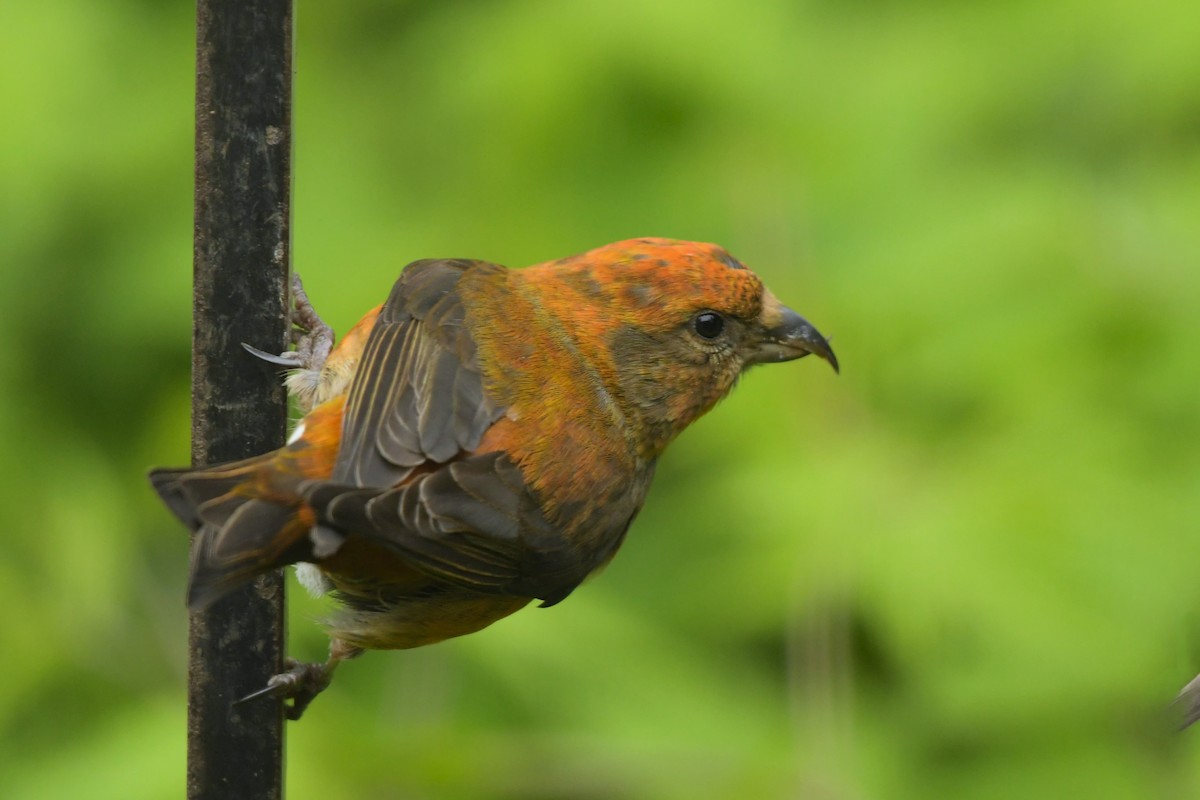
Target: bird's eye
709	324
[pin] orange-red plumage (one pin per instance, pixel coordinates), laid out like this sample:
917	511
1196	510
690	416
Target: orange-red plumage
484	438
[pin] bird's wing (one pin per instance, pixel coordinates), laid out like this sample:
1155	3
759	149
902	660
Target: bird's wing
417	394
475	523
418	400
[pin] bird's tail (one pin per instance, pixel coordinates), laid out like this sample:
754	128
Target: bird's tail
241	528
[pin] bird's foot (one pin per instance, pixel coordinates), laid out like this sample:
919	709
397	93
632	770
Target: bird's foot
310	336
301	682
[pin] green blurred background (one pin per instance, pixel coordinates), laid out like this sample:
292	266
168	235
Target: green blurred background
963	569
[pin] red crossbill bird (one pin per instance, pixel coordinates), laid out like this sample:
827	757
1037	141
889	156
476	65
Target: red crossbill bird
482	439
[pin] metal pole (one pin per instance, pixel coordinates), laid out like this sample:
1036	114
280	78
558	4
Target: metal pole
241	267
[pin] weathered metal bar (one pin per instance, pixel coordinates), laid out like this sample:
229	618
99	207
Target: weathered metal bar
241	268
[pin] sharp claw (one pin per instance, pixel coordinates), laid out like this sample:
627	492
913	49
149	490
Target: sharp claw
300	683
271	688
290	359
311	336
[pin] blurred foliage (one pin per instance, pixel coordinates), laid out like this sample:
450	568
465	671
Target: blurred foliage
962	569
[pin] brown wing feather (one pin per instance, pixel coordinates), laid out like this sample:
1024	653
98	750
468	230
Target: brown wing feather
418	394
475	523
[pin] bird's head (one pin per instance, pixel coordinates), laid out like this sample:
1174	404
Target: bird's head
670	325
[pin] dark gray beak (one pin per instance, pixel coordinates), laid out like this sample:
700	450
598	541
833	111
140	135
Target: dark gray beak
789	336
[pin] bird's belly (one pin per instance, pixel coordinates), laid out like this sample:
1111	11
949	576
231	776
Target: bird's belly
404	622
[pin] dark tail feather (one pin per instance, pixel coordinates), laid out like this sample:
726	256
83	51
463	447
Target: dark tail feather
167	483
237	536
188	492
258	537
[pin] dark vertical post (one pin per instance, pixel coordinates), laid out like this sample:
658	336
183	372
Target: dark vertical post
241	267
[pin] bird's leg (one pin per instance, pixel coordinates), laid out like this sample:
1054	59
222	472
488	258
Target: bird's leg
312	338
301	682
